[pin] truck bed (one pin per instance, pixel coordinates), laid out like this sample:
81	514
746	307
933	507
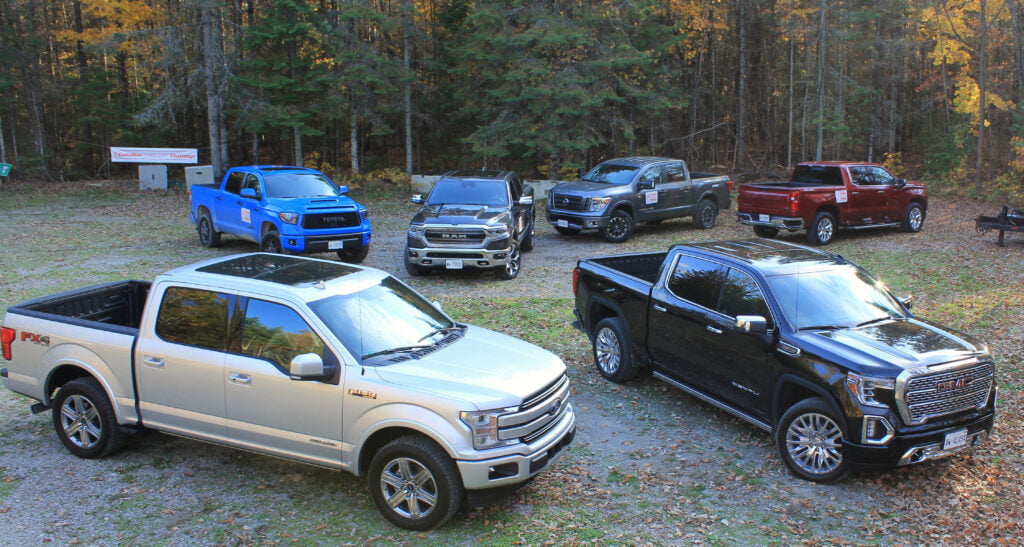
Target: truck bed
643	266
110	306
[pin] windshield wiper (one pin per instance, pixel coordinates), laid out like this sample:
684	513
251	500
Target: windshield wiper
441	330
823	327
395	350
878	320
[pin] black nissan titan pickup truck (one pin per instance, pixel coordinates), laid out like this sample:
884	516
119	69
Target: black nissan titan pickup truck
801	343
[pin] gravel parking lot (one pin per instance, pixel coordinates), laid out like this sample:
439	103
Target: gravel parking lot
649	465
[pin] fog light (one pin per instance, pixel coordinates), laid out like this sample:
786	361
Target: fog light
877	431
413	254
591	224
291	242
481	262
499	256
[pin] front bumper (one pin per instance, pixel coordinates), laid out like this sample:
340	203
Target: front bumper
906	449
771	221
516	468
578	221
300	244
488	254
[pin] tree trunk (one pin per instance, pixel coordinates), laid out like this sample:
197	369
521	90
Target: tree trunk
741	89
212	57
821	81
354	139
983	39
407	92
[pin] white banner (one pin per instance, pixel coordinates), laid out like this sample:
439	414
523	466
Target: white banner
154	155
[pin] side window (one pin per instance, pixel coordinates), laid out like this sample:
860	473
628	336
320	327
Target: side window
881	176
277	333
193	317
516	187
234	183
652	174
860	176
742	296
696	280
675	172
251	181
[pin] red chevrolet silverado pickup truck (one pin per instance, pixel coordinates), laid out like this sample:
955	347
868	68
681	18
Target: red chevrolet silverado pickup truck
822	197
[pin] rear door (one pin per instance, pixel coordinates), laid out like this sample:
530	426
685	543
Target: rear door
678	189
179	371
265	409
228	203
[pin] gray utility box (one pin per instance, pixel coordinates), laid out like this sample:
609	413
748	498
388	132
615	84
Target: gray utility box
199	174
152	177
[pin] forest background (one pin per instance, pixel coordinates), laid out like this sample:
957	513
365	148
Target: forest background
932	88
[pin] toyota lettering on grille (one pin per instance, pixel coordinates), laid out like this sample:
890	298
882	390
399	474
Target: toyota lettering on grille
333	219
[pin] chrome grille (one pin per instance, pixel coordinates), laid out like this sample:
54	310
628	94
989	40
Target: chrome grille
455	236
567	202
538	413
948	392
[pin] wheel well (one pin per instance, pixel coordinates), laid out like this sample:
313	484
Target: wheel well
624	207
61	376
710	197
378	440
919	201
790	393
831	209
267	227
203	210
599	312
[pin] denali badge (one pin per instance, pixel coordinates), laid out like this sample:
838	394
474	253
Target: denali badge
555	407
950	385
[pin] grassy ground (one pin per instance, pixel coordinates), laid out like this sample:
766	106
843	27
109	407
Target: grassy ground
650	465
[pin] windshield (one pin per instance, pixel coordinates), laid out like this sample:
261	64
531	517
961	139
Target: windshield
384	317
611	173
837	298
492	193
299	185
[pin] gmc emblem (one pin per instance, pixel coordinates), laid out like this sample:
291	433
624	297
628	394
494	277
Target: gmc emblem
951	385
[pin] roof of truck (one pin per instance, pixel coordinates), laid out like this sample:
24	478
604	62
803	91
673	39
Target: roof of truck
770	256
638	161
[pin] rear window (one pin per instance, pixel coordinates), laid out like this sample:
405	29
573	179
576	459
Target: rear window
824	175
697	280
193	317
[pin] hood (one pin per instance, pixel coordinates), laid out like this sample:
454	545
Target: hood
905	344
313	204
486	368
584	188
452	213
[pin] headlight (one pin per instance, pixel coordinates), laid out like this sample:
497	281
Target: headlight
289	218
483	425
417	229
501	231
364	214
865	388
598	204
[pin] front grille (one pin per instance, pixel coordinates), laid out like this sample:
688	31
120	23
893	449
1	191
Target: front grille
567	202
933	395
455	236
331	220
538	414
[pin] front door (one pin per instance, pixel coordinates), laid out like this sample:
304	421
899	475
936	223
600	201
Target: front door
653	197
265	409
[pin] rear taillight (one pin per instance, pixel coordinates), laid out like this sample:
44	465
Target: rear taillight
575	279
794	202
728	184
7	338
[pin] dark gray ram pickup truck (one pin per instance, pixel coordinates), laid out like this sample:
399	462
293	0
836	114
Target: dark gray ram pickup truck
617	194
799	342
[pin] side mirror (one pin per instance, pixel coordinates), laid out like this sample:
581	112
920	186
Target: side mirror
342	188
248	193
907	301
526	200
417	199
901	183
645	185
751	324
437	305
307	366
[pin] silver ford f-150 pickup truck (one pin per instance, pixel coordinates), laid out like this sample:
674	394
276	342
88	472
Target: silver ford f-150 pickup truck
322	362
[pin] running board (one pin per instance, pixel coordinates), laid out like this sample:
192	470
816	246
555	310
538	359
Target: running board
714	402
869	226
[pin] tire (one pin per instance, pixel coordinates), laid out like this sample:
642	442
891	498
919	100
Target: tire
511	268
822	230
611	351
208	236
809	438
271	243
85	420
766	231
354	257
707	213
415	484
619	228
528	242
567	231
913	218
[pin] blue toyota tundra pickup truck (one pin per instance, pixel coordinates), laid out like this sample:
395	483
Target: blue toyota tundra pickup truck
283	209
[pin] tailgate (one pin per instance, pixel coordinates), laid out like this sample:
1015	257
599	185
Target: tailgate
765	199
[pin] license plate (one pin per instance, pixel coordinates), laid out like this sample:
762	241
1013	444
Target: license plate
335	245
453	264
562	223
763	218
955	439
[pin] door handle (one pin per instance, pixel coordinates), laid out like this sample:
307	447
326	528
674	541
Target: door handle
659	308
154	362
240	379
713	329
854	193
